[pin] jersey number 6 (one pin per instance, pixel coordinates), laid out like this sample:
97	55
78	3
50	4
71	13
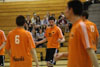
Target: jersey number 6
17	40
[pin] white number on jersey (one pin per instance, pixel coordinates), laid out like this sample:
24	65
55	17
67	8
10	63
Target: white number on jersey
17	40
92	28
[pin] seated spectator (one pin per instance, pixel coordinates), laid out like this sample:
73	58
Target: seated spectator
62	21
40	36
68	27
44	28
33	19
28	25
37	24
38	21
45	21
34	35
61	14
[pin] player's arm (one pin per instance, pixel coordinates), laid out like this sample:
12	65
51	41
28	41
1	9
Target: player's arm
3	44
32	48
60	55
60	35
93	57
40	42
34	55
97	40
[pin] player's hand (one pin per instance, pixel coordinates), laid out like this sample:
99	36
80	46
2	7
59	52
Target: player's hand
37	43
59	40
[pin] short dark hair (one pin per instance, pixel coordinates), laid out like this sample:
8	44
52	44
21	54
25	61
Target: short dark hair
20	20
85	13
51	18
77	7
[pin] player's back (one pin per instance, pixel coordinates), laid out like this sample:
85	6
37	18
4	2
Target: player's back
93	32
20	48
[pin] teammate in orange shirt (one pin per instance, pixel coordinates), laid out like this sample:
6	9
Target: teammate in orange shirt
54	37
20	46
81	52
92	28
2	49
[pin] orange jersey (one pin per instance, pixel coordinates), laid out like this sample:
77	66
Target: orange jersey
2	39
20	42
78	44
52	35
93	32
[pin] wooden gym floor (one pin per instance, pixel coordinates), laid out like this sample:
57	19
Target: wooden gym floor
60	63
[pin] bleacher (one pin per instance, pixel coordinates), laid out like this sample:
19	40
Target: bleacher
9	11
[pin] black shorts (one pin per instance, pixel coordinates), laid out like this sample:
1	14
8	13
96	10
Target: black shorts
2	60
50	54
